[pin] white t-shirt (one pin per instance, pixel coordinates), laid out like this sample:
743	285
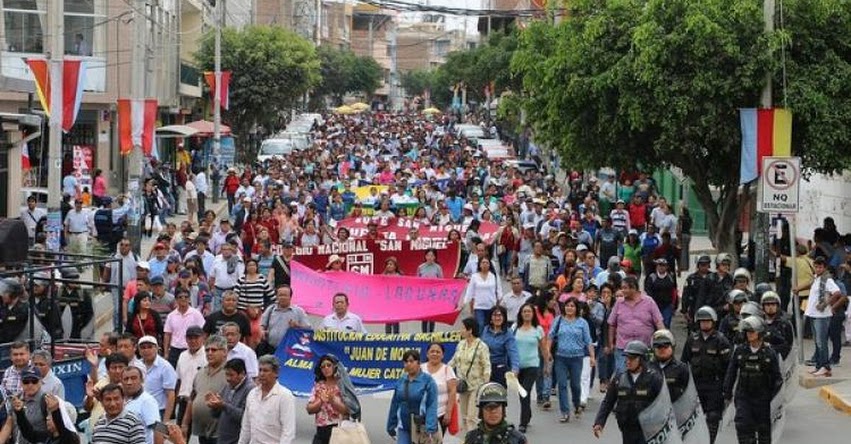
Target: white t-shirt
829	288
441	378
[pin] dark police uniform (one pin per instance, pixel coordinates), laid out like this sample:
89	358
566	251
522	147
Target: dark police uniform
503	434
50	316
758	374
676	376
13	322
714	293
82	311
695	284
729	327
627	398
709	358
779	334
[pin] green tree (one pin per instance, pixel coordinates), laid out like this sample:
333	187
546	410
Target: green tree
336	67
416	82
271	69
366	76
658	83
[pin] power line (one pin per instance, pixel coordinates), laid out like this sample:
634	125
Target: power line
400	6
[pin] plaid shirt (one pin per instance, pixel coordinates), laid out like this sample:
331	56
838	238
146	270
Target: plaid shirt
12	380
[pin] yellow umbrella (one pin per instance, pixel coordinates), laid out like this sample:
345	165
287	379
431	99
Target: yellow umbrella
345	109
431	111
359	106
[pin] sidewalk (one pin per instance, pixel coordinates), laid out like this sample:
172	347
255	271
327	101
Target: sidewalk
148	242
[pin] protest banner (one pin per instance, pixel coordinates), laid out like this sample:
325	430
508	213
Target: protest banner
373	361
366	256
398	228
378	299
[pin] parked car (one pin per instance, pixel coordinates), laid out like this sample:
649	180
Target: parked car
522	165
274	149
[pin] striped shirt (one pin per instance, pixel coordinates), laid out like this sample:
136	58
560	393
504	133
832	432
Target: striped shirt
258	292
125	428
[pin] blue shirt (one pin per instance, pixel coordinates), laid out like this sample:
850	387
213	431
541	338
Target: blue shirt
502	347
421	399
528	346
455	206
157	267
573	337
145	408
159	378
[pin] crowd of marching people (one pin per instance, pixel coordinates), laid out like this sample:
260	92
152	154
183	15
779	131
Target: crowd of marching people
575	292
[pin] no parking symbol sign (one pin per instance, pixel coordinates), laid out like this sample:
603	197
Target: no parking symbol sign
780	180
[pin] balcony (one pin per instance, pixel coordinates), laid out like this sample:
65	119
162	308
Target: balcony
190	80
13	66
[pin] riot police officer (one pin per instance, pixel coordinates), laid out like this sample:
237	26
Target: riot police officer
493	428
742	281
695	283
714	294
707	352
757	369
760	290
629	393
779	333
46	309
730	324
14	312
78	300
675	372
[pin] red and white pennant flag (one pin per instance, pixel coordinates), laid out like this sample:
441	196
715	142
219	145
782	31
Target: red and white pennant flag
73	79
136	121
224	91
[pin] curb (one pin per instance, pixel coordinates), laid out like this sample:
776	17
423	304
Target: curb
835	399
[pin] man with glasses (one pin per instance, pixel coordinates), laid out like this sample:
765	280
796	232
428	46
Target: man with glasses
160	377
31	404
676	373
127	261
208	382
177	323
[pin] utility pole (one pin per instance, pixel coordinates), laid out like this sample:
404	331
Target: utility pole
761	220
217	97
138	73
393	92
54	172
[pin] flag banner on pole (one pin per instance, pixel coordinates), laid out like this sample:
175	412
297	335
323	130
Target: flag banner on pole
690	418
210	78
766	132
136	120
25	157
73	79
658	422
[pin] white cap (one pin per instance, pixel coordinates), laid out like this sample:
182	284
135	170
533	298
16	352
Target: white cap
148	340
144	264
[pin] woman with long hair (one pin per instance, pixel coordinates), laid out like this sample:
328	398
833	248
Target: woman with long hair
143	320
326	400
546	311
506	244
471	362
532	345
483	292
391	268
605	359
446	381
253	288
577	287
572	336
502	346
99	192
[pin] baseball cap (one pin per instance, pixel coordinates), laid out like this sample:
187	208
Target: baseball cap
144	265
633	231
194	331
30	374
581	247
157	280
148	340
184	274
160	246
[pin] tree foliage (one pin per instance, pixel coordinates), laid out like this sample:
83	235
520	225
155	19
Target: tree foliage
657	83
271	70
416	82
344	72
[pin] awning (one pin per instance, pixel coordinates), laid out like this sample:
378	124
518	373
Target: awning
176	131
205	128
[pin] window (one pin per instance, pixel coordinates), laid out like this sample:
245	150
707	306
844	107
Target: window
24	21
84	26
441	47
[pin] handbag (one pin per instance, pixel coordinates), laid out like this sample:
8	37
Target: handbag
554	343
454	420
349	432
462	386
264	347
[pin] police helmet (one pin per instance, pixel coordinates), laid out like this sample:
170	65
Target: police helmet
490	393
736	295
706	313
760	289
723	258
770	297
752	323
704	260
636	348
663	337
742	273
11	287
751	308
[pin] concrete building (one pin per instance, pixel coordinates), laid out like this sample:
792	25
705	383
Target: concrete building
372	35
99	32
426	45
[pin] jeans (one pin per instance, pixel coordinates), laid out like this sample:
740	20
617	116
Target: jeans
568	369
604	363
202	205
544	384
527	379
820	329
836	332
403	436
498	372
667	314
391	328
619	361
217	298
482	317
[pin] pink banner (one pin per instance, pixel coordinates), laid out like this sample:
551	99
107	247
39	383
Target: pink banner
398	227
378	299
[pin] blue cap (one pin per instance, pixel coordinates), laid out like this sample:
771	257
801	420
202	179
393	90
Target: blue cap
157	280
30	373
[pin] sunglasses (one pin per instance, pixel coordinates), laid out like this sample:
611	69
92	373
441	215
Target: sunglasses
30	382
